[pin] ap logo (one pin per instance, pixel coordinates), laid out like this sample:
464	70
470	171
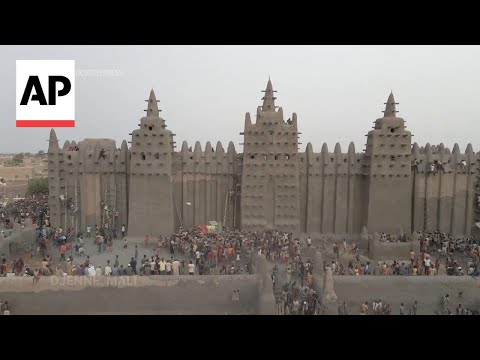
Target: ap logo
45	93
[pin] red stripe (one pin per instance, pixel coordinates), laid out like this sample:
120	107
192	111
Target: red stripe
45	123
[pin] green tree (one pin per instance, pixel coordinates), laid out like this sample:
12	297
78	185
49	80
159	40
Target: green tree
37	185
18	158
15	160
41	152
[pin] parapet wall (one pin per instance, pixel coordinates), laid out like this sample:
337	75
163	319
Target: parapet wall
26	236
378	250
166	295
427	290
393	251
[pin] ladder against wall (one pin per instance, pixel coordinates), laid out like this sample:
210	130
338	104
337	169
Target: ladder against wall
231	200
71	205
110	207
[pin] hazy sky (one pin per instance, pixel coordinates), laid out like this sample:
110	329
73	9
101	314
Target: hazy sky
205	91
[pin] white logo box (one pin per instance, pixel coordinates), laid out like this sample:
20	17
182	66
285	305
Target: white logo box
34	114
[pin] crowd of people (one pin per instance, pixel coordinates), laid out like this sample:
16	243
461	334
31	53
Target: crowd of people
230	252
193	251
453	251
439	254
34	208
298	298
379	308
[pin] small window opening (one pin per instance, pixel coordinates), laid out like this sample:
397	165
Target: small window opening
150	128
344	160
264	157
287	157
142	154
157	155
392	130
69	157
331	159
392	158
276	157
252	156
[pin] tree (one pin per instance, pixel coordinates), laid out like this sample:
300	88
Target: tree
18	157
41	152
37	185
15	160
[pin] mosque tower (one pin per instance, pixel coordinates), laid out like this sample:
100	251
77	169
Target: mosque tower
151	192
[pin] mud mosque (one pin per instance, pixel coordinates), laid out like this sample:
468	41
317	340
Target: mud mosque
152	188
